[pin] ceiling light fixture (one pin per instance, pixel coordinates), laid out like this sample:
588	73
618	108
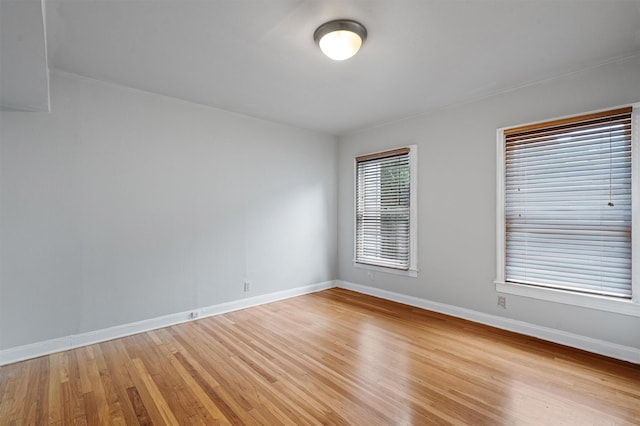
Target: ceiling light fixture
340	39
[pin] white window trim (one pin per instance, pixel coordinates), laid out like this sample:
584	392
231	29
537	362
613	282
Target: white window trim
603	303
413	219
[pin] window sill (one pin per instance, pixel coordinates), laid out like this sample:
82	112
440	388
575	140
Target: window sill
602	303
408	273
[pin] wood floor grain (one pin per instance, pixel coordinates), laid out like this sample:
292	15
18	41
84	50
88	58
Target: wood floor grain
333	357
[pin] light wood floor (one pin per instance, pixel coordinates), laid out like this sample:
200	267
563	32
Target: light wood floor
334	357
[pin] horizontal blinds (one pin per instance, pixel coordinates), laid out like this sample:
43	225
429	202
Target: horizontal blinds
382	209
568	204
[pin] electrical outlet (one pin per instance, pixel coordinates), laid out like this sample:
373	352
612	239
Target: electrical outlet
247	286
502	302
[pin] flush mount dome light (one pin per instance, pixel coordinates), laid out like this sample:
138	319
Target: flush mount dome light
340	39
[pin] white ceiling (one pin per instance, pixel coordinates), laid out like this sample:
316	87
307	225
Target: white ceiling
258	57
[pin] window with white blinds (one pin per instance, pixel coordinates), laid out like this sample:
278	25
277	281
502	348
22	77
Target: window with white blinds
383	209
567	204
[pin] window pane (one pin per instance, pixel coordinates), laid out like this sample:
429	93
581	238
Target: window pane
382	210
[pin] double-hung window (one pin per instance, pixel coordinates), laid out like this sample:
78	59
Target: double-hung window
567	190
385	205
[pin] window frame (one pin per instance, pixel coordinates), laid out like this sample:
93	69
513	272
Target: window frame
593	301
412	271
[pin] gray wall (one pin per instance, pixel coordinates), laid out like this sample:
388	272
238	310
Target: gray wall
457	197
120	206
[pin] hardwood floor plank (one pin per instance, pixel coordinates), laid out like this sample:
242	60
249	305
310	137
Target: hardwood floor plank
141	411
54	390
332	357
112	409
92	415
67	403
225	395
291	382
146	397
219	408
116	363
17	404
262	375
298	384
196	383
9	379
97	384
180	399
158	399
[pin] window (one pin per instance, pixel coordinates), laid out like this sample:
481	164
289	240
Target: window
386	210
565	193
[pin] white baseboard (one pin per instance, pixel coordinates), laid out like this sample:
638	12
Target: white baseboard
601	347
613	350
47	347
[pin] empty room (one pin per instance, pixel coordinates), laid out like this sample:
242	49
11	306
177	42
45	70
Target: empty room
304	212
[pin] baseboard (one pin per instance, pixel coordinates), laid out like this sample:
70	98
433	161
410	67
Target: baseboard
47	347
613	350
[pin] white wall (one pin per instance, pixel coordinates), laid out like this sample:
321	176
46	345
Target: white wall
457	198
120	206
24	80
